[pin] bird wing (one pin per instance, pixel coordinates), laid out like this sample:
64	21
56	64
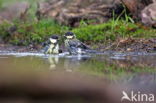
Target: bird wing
76	43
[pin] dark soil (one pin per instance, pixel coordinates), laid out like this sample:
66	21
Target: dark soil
121	45
12	48
133	45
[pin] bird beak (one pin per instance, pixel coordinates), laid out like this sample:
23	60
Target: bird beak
53	40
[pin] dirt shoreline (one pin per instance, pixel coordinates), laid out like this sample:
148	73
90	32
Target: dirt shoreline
12	48
121	45
133	45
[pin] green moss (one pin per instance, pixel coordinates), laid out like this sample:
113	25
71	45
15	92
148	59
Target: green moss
37	32
111	30
3	30
32	32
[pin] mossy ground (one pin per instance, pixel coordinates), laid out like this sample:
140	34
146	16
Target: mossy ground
38	32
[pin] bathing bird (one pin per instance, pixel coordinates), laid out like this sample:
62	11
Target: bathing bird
74	46
53	45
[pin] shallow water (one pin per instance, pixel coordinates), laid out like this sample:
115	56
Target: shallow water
24	72
109	64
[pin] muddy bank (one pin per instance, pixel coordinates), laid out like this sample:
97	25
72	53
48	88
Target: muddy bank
120	45
133	45
12	48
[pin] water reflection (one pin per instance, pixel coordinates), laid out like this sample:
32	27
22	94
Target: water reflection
144	79
53	62
74	63
69	64
103	64
133	60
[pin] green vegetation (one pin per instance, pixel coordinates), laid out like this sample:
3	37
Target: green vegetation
31	32
113	30
37	32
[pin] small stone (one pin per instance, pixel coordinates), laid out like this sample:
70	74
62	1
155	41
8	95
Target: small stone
148	15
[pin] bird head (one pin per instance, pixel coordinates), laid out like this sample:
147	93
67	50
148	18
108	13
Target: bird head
54	39
70	35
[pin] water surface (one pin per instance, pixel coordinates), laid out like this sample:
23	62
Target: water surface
108	64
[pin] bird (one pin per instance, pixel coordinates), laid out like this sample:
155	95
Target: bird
53	45
74	46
